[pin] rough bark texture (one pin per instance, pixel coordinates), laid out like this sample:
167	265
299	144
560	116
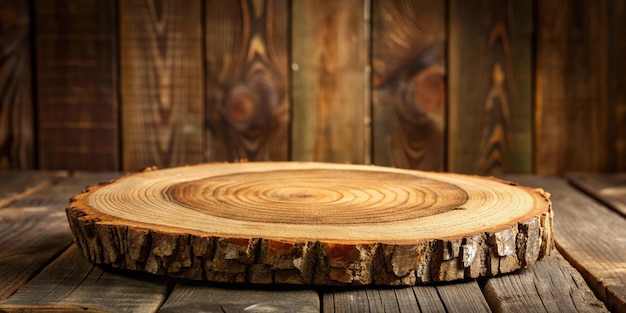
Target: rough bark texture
179	225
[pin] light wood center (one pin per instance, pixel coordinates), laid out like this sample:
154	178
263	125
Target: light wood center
318	196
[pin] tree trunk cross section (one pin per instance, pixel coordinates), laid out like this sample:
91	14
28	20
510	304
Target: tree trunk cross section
312	223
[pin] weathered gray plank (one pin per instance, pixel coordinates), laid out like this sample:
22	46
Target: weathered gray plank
72	284
188	297
462	297
610	189
455	297
35	229
18	184
590	236
550	285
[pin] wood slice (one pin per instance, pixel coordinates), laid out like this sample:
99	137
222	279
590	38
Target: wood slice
312	223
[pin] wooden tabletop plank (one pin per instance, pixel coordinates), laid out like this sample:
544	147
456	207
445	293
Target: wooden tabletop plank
71	283
35	229
455	297
550	285
191	297
462	297
18	184
590	236
610	189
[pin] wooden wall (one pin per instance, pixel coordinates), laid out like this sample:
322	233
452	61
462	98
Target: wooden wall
479	86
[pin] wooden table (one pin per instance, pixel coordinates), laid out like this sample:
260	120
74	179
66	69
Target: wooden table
42	270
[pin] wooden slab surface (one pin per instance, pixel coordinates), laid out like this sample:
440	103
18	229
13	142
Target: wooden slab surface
312	223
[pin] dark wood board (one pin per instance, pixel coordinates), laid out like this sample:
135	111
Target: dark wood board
17	138
409	83
457	297
572	114
77	84
188	297
71	284
551	285
18	184
490	86
330	81
161	83
34	229
247	83
590	237
617	82
609	189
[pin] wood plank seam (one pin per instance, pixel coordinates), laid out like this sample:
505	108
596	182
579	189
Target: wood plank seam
7	201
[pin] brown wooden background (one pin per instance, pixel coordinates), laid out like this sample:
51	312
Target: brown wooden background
466	86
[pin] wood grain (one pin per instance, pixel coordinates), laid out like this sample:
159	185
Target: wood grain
15	185
571	87
246	64
617	82
591	237
409	83
161	83
458	297
330	81
552	285
335	225
17	143
188	297
34	229
77	84
609	189
71	284
490	64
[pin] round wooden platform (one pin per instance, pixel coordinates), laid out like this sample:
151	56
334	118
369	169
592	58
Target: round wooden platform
312	223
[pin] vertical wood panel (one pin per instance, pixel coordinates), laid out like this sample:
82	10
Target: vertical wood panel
490	86
617	81
16	106
330	56
571	87
161	82
247	113
77	99
409	83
